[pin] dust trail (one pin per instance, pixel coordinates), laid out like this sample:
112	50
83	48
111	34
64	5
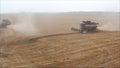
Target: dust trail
110	22
25	25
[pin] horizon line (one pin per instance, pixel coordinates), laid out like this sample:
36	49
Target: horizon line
65	12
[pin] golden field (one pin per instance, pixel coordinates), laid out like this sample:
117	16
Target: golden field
44	40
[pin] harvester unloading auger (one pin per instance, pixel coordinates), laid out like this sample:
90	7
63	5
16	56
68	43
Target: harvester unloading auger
86	27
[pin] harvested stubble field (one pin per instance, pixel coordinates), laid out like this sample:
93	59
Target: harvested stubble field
73	50
31	41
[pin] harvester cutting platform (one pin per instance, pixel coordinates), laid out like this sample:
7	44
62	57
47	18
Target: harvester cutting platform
86	27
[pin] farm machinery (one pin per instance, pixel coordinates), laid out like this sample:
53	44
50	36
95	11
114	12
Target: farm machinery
86	27
5	23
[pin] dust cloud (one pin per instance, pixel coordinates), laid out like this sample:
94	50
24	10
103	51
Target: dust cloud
25	25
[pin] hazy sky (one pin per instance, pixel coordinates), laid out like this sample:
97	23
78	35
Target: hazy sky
13	6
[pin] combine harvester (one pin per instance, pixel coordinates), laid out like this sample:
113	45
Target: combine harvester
4	23
86	27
